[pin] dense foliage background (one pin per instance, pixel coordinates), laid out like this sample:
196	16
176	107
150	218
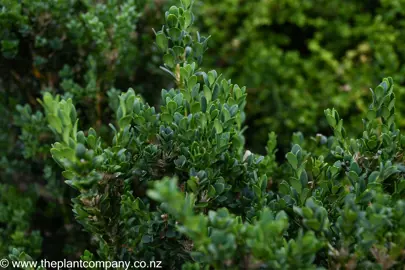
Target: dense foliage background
296	59
299	57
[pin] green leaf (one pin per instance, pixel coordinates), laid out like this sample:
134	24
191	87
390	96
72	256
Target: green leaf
211	191
225	115
192	184
178	52
296	184
165	117
172	20
192	81
313	224
379	92
203	104
188	18
162	41
174	10
179	99
125	121
68	175
214	113
55	122
219	188
169	60
385	113
212	75
304	178
371	115
196	107
207	93
331	117
80	150
218	126
284	188
373	177
237	92
175	34
292	159
172	106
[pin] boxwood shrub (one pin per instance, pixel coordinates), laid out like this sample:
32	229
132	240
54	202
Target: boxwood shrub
176	182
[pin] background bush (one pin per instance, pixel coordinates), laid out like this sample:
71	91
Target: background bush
296	59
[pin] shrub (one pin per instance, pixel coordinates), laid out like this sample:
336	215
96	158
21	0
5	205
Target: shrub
176	184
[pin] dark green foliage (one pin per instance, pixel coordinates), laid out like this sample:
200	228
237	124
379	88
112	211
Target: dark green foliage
85	50
199	123
342	208
175	182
